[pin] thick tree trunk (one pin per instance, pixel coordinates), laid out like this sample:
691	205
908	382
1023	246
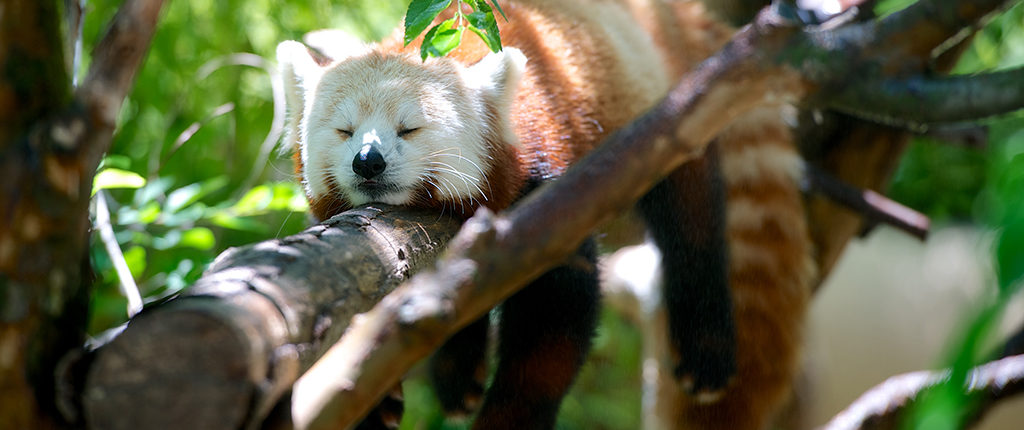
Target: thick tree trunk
51	141
43	223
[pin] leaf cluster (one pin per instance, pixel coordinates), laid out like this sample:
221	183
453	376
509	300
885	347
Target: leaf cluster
444	37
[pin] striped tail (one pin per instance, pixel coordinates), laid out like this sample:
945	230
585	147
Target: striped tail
771	271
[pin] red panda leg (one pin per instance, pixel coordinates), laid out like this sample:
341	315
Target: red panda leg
458	370
545	334
771	270
685	214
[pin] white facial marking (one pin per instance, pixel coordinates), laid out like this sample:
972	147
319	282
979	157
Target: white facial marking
371	137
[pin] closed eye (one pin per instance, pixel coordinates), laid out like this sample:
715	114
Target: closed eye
407	131
345	133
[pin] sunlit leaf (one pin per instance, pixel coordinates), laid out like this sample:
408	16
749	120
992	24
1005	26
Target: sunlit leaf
115	161
420	14
191	193
288	196
149	213
152	191
185	217
167	241
181	197
484	25
135	257
441	39
226	220
116	178
200	238
253	202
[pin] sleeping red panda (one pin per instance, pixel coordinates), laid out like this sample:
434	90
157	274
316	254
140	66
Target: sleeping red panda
375	124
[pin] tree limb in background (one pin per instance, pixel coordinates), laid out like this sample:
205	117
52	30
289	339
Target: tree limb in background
772	61
117	58
882	407
918	102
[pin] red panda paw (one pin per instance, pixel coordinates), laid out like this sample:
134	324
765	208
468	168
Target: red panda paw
462	408
704	372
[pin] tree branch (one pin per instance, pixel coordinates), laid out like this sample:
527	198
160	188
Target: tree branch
875	207
882	407
117	58
223	355
917	102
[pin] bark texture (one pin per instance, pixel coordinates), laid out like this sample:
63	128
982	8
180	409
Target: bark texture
51	141
224	354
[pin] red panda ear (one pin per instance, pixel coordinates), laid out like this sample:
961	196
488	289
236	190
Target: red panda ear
300	72
334	45
298	64
497	76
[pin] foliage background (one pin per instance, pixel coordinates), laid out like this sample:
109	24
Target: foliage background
190	139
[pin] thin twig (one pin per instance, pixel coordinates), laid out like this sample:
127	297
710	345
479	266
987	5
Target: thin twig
277	90
872	205
190	131
126	281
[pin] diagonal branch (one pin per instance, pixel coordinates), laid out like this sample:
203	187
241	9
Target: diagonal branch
117	59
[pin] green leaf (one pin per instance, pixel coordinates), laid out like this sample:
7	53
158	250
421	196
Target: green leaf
148	214
419	16
167	241
181	197
1010	255
190	194
200	238
288	196
135	257
254	202
498	7
116	161
482	23
116	178
441	39
226	220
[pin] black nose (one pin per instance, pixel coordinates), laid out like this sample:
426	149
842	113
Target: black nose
369	162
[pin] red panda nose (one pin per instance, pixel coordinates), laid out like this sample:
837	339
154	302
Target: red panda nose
369	162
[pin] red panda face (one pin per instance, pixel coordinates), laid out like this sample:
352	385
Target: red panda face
389	128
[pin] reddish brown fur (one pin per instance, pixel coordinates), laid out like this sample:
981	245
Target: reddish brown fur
571	97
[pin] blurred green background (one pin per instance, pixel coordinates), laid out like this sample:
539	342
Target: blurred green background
191	171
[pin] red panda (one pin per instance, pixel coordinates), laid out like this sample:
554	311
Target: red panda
376	124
